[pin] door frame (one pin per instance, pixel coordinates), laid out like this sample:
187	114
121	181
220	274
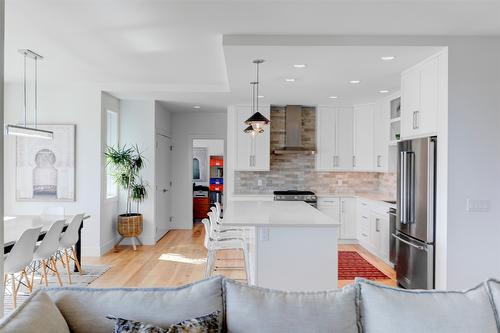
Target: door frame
156	238
190	163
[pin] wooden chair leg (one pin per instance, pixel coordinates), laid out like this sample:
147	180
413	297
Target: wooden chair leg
33	275
5	280
14	291
68	268
56	272
77	262
44	273
28	283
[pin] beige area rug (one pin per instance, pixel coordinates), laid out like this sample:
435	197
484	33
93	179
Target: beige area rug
90	274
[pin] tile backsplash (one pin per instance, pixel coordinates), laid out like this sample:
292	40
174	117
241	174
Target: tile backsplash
296	171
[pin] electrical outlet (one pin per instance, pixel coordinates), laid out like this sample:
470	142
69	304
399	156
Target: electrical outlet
339	181
264	234
259	182
477	205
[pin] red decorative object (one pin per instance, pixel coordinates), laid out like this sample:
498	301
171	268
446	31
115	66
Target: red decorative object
352	265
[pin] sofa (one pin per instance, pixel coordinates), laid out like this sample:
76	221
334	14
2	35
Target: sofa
364	306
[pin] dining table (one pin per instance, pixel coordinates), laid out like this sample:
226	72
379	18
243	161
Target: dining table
15	225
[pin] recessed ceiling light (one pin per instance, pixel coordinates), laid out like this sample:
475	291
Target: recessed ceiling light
354	81
290	80
196	107
333	97
388	58
300	66
383	91
261	96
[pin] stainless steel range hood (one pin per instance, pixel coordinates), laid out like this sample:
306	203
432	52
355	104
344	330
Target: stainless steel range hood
293	133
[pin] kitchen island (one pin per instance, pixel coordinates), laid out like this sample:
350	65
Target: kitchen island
293	246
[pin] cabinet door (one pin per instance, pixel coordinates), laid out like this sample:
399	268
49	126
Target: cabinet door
344	137
252	152
426	118
363	137
326	118
410	102
381	115
384	237
348	218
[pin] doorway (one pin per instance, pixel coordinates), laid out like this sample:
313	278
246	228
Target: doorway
163	185
207	175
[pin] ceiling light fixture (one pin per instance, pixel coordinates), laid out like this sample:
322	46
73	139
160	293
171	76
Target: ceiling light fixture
261	96
25	130
196	107
388	58
300	66
354	81
257	121
333	97
290	80
383	91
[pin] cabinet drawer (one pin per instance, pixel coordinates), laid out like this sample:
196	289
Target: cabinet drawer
328	201
364	225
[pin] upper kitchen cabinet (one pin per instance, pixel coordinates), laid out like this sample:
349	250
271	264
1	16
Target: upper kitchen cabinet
252	153
362	159
334	139
385	124
421	95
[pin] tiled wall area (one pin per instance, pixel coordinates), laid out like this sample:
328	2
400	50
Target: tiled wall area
296	171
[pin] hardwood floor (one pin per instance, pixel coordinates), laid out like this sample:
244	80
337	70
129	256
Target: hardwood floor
179	258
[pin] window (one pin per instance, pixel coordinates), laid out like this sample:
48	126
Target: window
111	141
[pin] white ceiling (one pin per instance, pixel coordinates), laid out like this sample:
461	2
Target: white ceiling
172	50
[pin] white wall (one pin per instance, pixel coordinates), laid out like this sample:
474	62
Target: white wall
63	104
215	147
2	20
109	206
137	127
187	126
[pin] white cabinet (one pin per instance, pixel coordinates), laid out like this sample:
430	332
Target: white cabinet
381	134
348	218
253	153
421	95
373	224
334	138
363	137
342	210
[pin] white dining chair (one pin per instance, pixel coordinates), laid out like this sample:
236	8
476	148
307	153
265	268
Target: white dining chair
17	260
46	253
53	211
67	245
213	245
218	230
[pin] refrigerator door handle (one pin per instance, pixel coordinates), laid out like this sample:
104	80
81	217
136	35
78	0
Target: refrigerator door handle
402	189
419	247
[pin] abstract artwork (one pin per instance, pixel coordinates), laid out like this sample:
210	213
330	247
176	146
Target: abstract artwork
200	164
45	169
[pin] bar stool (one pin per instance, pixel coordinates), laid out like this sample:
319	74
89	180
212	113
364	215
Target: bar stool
219	230
67	244
213	245
18	259
45	254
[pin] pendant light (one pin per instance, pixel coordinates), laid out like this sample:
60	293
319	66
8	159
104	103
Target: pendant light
257	121
25	130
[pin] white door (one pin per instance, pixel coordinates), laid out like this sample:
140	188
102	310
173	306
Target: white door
363	137
348	218
429	79
163	186
344	138
326	139
410	101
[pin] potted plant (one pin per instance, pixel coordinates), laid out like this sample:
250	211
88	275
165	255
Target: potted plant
125	164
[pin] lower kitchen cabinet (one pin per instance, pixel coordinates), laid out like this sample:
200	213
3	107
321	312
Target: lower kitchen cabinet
342	210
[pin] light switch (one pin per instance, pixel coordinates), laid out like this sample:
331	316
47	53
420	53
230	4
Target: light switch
477	205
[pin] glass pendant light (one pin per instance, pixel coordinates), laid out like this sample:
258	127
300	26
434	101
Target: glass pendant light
257	121
25	130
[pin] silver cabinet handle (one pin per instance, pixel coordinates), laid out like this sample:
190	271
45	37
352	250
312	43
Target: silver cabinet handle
419	247
354	161
250	160
377	228
379	158
416	121
342	208
254	160
336	157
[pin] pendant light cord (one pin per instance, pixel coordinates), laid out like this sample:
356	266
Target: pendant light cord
257	93
24	89
36	93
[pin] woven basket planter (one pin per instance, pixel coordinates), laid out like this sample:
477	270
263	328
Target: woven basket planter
130	225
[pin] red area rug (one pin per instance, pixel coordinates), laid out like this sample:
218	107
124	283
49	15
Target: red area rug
352	265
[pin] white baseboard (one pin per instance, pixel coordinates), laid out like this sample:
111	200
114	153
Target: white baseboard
348	241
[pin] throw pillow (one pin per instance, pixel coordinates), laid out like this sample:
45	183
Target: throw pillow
204	324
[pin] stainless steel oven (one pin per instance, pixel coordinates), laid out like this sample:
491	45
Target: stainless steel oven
293	195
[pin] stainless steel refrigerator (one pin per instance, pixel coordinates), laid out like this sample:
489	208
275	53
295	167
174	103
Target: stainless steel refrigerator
415	214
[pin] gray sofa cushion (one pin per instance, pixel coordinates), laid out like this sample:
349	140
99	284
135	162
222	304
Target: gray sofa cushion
37	314
386	309
253	309
85	309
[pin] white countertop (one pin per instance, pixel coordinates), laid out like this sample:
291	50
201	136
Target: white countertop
275	214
